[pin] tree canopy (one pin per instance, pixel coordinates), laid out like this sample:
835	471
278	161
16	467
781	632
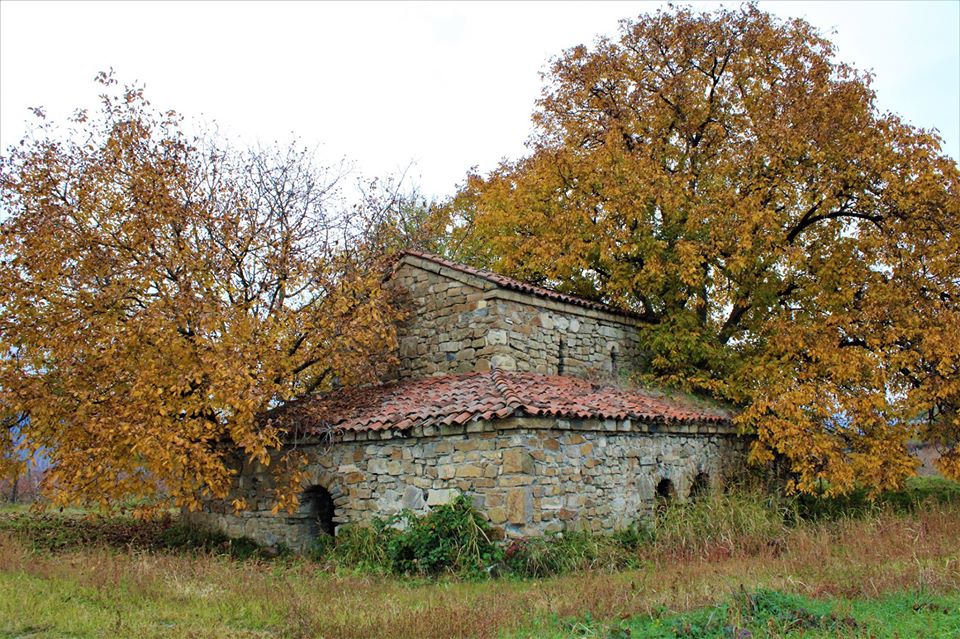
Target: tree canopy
158	293
793	249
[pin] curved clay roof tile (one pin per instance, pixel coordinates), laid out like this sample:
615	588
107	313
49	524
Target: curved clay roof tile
457	399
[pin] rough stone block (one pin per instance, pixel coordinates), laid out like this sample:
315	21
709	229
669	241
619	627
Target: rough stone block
475	427
517	460
517	511
439	497
493	498
408	347
503	362
469	470
509	481
447	471
412	498
495	337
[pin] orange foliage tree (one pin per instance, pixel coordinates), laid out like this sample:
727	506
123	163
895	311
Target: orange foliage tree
158	294
794	250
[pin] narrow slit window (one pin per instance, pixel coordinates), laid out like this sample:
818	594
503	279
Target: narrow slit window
560	355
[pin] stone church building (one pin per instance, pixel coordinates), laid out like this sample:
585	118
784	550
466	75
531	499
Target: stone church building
512	394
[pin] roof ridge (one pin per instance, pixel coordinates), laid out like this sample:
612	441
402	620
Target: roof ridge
502	383
504	281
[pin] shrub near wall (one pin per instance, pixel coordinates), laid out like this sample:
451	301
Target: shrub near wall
456	539
452	538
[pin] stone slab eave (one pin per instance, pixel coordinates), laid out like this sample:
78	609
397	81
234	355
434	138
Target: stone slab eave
540	422
474	281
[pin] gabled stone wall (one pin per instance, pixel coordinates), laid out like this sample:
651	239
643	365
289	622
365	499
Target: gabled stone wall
527	476
447	325
461	323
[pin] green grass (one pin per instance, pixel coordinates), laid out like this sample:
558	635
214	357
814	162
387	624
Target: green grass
917	492
35	607
774	614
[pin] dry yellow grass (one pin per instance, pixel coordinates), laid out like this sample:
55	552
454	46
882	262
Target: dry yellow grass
101	592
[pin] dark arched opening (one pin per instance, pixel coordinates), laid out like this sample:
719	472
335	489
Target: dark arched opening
613	361
700	486
665	494
665	490
318	506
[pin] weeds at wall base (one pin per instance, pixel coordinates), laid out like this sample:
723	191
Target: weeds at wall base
455	540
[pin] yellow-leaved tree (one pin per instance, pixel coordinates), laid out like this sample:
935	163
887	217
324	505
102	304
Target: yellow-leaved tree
158	294
794	249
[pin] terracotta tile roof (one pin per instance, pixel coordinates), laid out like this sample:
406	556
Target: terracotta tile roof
516	285
458	399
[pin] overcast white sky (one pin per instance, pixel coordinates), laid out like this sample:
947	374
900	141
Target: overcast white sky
447	86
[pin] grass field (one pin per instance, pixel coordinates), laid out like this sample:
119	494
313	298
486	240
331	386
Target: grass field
882	573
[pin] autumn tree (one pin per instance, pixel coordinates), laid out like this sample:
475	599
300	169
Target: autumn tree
396	217
159	293
793	249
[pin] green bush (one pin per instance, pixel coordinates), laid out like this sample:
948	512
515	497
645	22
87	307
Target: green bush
451	538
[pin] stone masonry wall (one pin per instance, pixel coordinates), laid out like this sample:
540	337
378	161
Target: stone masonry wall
528	476
460	323
447	324
556	342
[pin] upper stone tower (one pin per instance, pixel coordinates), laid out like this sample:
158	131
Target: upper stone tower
464	319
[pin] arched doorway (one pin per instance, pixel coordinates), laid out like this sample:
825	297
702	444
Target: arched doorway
700	487
317	505
665	494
